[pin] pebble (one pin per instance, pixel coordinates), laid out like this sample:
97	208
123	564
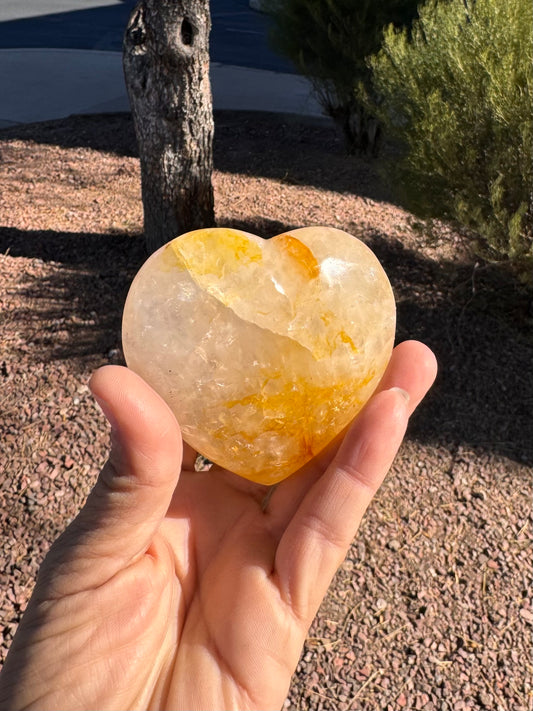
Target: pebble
526	615
486	700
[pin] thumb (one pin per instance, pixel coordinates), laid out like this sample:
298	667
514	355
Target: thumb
133	492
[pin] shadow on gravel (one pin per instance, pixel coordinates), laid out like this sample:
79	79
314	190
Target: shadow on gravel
86	250
80	131
74	311
476	321
285	148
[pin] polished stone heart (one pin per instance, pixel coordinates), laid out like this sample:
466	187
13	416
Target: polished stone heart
264	349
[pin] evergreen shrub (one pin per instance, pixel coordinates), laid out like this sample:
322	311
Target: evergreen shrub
456	93
328	41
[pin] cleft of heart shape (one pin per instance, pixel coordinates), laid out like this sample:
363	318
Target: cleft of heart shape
264	349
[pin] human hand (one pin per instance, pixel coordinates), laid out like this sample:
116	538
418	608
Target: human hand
195	590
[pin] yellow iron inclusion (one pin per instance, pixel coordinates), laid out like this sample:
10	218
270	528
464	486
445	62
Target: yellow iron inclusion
264	349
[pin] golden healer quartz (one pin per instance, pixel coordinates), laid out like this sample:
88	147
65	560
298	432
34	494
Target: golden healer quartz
264	349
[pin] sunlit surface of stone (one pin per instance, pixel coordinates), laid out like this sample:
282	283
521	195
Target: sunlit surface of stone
264	349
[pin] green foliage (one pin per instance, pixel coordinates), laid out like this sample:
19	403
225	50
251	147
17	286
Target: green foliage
328	41
456	92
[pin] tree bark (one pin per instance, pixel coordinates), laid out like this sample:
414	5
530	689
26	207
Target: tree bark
166	66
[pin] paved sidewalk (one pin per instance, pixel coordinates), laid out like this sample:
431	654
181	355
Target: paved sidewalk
43	84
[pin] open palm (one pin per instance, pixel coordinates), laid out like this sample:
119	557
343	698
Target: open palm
195	590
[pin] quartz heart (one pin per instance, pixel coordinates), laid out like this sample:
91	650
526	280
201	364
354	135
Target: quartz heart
264	349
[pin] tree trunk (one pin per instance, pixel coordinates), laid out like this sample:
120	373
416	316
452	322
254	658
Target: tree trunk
166	66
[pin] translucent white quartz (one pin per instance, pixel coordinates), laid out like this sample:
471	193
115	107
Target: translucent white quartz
264	349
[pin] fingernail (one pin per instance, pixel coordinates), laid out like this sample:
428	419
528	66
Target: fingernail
403	393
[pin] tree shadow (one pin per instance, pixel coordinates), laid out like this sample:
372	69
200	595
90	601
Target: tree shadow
73	309
86	250
483	396
291	149
478	324
108	133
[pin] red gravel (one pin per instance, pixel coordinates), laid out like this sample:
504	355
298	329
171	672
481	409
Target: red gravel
432	607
